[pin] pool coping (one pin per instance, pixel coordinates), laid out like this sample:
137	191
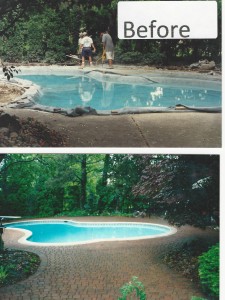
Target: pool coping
27	233
27	100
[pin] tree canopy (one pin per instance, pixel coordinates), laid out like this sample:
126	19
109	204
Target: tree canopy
184	189
45	31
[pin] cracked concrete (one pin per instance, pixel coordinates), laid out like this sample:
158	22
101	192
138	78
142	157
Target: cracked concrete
185	129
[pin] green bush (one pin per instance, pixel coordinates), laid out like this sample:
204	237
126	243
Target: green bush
136	57
209	270
154	58
75	213
83	213
3	274
131	57
133	288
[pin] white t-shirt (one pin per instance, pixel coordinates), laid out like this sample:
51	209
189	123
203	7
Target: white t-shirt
87	42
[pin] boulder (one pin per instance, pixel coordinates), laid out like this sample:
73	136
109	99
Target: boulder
207	66
203	65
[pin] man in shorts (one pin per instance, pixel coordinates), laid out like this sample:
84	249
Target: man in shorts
79	50
87	45
108	47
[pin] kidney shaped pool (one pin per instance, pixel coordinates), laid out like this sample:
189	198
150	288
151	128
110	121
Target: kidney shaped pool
66	92
70	233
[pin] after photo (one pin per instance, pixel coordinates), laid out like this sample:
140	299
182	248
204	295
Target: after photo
109	226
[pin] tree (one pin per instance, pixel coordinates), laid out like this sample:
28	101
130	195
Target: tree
83	180
102	184
183	188
56	24
123	172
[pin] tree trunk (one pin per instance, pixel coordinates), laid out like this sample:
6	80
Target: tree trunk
104	182
1	243
105	170
83	180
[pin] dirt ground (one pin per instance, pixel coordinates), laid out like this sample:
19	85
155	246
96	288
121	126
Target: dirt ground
9	92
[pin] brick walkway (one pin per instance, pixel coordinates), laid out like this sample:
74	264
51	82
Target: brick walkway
97	271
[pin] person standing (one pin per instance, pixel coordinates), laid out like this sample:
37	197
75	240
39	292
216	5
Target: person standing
79	50
87	45
108	47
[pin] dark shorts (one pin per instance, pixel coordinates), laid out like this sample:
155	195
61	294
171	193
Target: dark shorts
86	52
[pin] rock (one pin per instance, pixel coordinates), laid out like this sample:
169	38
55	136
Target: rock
9	121
13	135
207	66
4	131
204	61
194	66
203	65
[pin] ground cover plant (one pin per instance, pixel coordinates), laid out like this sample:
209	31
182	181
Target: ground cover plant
134	289
17	265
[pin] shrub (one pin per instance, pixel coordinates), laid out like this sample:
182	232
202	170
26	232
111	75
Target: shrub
3	274
8	71
75	213
129	57
209	270
131	288
136	57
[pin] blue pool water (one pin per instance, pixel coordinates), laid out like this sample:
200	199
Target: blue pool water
71	232
69	92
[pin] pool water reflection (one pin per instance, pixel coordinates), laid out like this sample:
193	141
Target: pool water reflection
69	92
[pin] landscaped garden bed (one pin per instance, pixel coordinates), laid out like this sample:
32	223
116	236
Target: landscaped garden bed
17	265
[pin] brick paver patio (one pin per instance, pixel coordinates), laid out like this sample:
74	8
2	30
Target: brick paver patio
97	271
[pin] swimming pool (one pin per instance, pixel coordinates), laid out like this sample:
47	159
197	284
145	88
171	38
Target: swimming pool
53	232
113	92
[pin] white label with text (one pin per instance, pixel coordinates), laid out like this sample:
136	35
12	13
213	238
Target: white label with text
167	20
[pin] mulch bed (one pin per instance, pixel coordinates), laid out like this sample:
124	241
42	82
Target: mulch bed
185	259
18	265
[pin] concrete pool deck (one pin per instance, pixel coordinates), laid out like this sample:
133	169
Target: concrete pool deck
186	129
97	271
168	129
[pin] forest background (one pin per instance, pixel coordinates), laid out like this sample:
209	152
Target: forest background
45	31
182	188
